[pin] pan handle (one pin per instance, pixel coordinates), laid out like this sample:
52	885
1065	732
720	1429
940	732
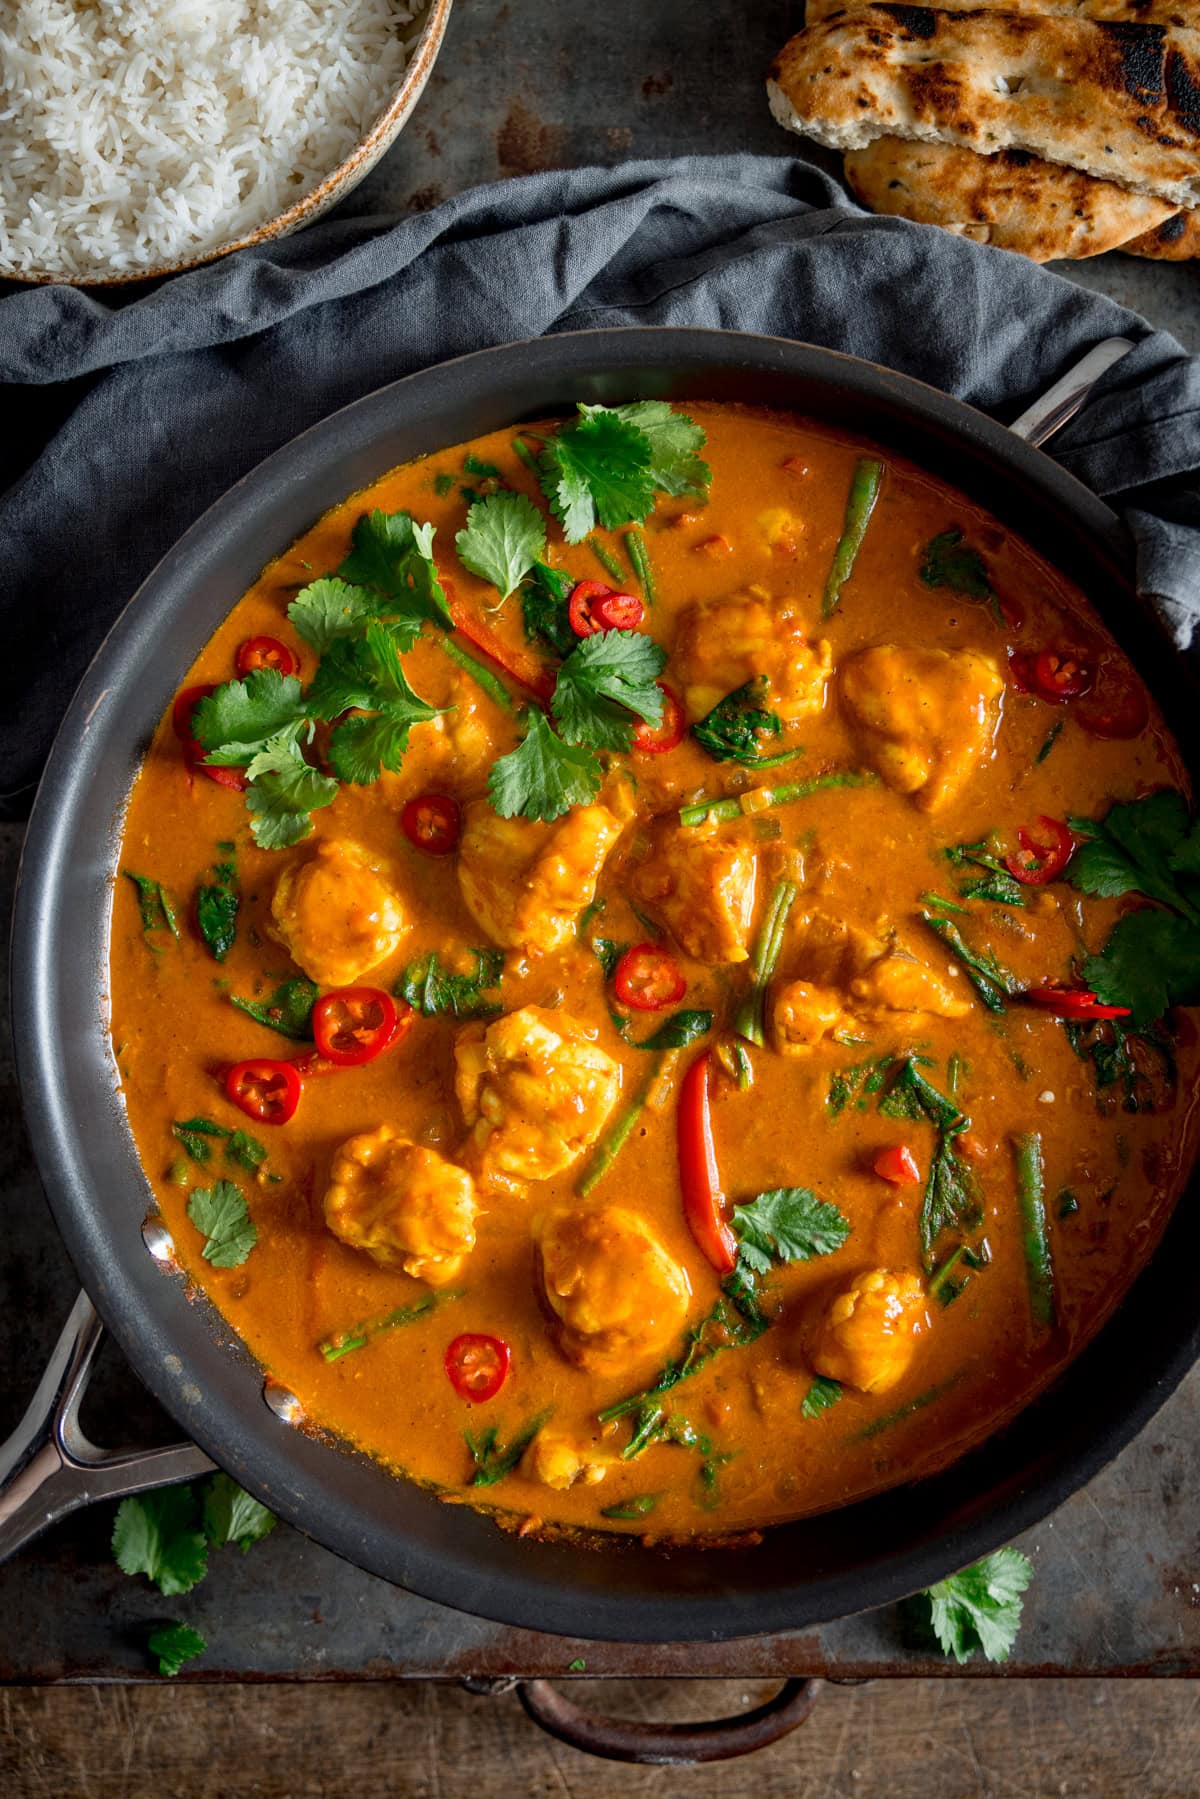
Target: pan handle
1059	404
668	1745
48	1467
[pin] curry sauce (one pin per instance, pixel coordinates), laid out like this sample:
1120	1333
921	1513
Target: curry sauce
887	1163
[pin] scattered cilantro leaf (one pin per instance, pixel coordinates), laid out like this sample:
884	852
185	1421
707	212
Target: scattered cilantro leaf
493	1459
950	562
284	792
543	777
361	748
675	443
597	469
1150	963
604	679
239	718
221	1215
158	1535
433	991
730	732
217	905
855	1083
504	536
231	1515
787	1224
981	1607
328	609
951	1200
820	1396
288	1010
174	1644
545	598
678	1031
1137	848
392	553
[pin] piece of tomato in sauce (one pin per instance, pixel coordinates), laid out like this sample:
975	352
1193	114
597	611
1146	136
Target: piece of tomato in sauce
353	1025
652	740
265	652
1117	707
897	1165
647	978
477	1366
264	1090
1043	857
194	751
432	823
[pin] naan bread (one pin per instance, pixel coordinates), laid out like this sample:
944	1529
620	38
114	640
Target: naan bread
1119	101
1185	13
1012	199
1176	240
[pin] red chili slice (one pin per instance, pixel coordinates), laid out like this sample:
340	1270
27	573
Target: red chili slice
648	979
584	596
266	652
194	751
1055	676
1037	862
619	611
1117	707
353	1025
432	823
652	740
1076	1003
897	1165
477	1366
698	1176
268	1092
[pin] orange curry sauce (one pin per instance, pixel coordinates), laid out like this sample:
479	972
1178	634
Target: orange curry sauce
945	1374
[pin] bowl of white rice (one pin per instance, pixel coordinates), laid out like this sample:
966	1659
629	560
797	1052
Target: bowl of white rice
142	137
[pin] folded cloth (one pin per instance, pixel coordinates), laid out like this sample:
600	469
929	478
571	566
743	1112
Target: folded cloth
127	416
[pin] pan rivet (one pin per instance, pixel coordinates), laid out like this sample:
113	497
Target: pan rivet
159	1241
282	1402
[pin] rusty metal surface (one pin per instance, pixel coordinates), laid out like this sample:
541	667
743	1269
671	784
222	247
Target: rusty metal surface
520	88
1118	1567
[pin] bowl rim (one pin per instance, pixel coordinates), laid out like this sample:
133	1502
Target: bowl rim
181	1349
354	166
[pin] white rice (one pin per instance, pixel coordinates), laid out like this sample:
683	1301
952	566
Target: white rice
136	133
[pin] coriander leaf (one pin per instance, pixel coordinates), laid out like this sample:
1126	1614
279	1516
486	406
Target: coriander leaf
245	1150
361	748
220	1214
1150	963
493	1459
157	1534
174	1644
284	791
216	917
678	1031
194	1134
503	537
675	441
981	1607
730	732
949	562
434	991
787	1224
231	1515
820	1396
155	904
240	717
543	777
605	678
1131	850
598	467
328	609
391	552
544	604
288	1010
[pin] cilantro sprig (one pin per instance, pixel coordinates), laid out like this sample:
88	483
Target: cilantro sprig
222	1217
606	466
1151	960
504	536
977	1609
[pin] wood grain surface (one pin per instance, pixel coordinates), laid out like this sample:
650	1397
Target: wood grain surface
903	1739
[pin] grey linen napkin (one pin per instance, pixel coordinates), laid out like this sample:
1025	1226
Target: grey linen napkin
126	417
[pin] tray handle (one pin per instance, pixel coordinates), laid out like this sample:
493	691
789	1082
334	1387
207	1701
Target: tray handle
668	1745
48	1467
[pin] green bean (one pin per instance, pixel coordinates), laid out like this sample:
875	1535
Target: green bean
491	683
604	556
749	1019
767	797
635	548
610	1148
359	1335
1031	1194
860	504
526	454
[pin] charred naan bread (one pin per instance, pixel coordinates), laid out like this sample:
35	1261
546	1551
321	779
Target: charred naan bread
1012	199
1177	239
1120	101
1185	13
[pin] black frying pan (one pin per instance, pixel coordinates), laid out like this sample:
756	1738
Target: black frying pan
860	1557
